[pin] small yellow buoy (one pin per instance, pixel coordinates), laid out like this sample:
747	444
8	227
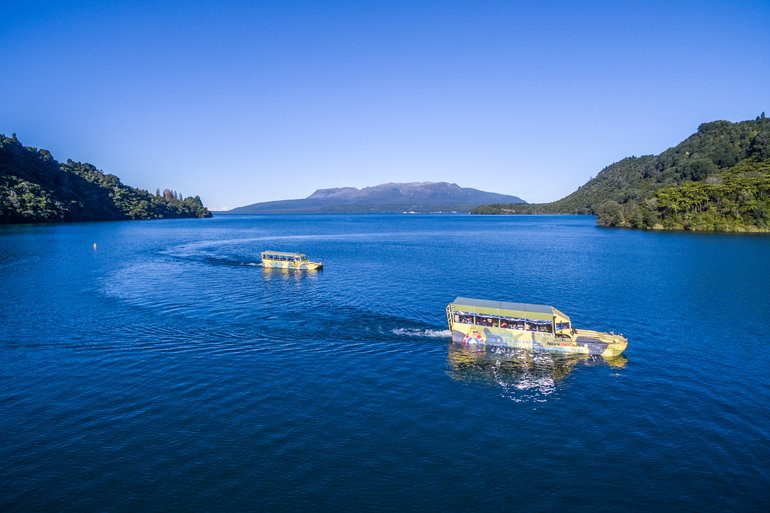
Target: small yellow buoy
94	245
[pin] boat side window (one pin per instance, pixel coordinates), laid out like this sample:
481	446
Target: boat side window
463	318
485	320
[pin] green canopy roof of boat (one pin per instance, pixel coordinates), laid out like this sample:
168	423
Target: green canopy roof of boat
507	309
283	253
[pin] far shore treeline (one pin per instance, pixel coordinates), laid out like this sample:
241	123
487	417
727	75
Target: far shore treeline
35	188
718	179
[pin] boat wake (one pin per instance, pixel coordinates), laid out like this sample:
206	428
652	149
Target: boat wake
228	262
416	332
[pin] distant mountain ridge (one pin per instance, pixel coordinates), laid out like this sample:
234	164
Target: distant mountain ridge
383	198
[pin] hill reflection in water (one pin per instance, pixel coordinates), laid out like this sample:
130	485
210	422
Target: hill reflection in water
522	375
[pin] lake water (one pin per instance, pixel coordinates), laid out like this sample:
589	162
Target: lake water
165	370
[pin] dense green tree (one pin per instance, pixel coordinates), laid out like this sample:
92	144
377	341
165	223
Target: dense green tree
34	187
716	179
612	212
760	148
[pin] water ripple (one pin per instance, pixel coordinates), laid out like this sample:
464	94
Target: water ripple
168	371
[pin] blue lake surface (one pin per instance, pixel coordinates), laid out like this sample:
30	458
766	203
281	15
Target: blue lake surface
165	370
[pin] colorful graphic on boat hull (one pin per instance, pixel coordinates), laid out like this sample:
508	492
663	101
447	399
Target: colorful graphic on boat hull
533	341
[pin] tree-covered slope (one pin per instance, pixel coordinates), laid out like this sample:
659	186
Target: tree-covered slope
717	179
35	188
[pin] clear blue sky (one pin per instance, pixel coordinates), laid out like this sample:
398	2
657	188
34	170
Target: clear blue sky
245	101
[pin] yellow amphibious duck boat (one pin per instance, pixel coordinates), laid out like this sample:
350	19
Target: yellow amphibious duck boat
525	326
282	260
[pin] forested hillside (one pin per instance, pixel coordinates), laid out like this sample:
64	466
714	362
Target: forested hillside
35	188
717	179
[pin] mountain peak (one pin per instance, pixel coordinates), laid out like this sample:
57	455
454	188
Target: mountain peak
386	197
339	192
